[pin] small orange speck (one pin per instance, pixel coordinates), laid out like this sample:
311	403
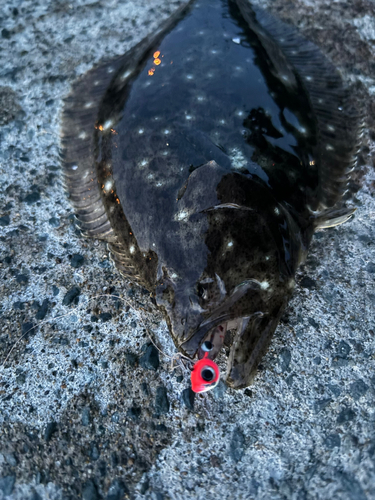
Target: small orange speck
171	62
151	71
156	54
157	61
100	127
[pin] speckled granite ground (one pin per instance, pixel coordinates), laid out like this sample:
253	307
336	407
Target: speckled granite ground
87	410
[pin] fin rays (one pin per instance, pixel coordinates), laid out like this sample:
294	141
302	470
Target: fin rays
331	102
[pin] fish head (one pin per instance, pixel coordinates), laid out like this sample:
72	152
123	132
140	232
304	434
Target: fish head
233	291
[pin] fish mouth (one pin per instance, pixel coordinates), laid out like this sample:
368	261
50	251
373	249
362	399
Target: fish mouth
227	333
221	315
244	335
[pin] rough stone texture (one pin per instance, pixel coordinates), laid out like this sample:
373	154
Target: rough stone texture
78	419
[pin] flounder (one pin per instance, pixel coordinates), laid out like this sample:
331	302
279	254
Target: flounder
207	156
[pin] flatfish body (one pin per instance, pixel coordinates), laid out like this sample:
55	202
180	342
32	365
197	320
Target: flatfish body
207	156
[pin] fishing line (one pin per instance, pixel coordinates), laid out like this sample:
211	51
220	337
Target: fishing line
174	358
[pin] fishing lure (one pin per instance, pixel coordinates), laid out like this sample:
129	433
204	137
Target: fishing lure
207	156
205	374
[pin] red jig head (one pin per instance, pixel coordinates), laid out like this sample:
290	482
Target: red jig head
206	374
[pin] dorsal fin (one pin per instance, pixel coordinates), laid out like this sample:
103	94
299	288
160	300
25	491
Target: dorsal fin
338	124
79	118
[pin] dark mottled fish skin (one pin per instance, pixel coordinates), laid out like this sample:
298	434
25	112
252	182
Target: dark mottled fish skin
209	172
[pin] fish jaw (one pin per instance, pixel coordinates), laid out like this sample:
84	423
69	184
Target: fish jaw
181	310
249	345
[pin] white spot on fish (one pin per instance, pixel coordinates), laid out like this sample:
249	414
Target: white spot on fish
329	147
158	184
276	211
189	77
143	163
264	285
166	131
267	257
140	131
236	40
213	51
89	104
181	215
74	167
108	184
150	176
165	153
110	70
222	122
132	249
230	244
309	78
107	124
200	98
82	135
126	74
188	117
240	113
174	276
331	128
237	158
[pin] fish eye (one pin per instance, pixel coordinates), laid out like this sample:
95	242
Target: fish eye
207	346
208	374
202	292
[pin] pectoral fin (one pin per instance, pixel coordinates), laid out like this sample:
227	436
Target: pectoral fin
332	217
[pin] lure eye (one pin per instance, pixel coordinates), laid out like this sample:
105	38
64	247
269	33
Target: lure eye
207	346
208	374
